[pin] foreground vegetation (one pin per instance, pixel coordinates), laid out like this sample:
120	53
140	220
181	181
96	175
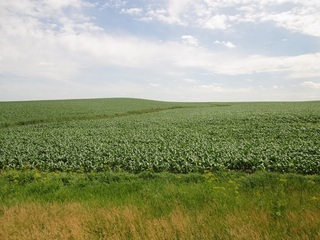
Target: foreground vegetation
233	205
139	135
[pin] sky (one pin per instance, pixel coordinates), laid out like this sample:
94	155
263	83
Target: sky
172	50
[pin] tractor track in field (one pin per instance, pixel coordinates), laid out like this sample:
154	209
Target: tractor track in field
91	117
99	116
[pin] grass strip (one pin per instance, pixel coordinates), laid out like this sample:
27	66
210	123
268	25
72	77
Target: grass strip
222	205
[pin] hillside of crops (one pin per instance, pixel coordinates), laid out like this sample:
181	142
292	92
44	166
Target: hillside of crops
135	135
31	112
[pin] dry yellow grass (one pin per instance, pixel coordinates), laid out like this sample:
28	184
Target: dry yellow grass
36	221
248	225
78	221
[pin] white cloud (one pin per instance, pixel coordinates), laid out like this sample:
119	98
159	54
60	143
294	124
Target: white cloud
305	20
60	43
171	12
190	80
301	66
215	22
294	15
30	39
190	40
310	84
154	84
212	87
114	4
132	11
229	44
76	43
46	64
220	88
226	44
163	15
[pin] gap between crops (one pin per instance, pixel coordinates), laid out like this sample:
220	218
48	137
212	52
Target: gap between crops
79	118
101	116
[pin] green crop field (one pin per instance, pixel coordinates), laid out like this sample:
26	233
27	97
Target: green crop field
140	169
135	135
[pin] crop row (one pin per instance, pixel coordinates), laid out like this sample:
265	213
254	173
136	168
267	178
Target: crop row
177	140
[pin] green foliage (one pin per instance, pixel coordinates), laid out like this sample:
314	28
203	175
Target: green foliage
135	136
219	205
35	112
273	192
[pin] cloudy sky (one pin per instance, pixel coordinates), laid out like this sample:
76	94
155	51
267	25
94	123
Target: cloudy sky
175	50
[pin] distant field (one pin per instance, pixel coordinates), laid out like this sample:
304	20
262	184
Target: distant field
135	135
31	112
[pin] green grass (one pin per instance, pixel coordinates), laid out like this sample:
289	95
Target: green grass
218	205
119	189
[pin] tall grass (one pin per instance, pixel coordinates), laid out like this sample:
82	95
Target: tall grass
226	205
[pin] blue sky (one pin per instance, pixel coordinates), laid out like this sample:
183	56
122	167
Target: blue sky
174	50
